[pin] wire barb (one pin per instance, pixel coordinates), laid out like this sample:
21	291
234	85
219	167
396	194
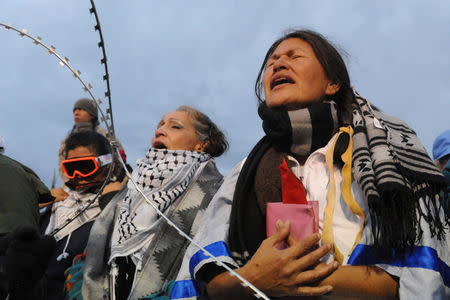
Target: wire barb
77	74
51	50
23	32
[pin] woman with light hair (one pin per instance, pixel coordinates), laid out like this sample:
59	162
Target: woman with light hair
133	253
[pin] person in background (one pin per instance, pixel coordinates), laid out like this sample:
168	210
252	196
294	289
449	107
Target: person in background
85	116
87	163
441	156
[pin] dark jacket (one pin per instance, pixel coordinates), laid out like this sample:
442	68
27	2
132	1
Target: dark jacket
20	192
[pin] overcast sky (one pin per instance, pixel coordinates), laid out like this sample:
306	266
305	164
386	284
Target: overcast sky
162	54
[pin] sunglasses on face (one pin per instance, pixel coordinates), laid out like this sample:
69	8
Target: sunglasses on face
85	166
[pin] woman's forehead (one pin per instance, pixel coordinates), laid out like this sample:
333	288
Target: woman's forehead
291	45
80	151
177	115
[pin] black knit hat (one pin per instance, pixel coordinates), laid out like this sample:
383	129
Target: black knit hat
87	105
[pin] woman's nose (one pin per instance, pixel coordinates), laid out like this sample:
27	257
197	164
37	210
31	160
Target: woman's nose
280	64
160	131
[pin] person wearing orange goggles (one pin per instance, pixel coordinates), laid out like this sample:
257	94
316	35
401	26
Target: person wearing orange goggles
87	162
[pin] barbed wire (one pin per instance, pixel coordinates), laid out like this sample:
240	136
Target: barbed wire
87	87
103	61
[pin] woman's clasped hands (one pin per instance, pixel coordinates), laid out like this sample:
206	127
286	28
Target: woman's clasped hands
295	270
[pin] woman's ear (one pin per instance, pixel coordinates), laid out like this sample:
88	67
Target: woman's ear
200	147
332	88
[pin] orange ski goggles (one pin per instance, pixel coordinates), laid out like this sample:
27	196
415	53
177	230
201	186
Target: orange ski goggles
85	166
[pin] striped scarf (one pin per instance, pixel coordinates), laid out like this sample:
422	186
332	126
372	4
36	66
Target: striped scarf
394	171
301	132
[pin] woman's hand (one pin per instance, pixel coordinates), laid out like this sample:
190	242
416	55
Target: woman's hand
112	187
59	194
288	271
277	273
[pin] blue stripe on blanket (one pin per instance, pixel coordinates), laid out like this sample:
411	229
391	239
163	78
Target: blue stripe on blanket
184	289
217	249
421	257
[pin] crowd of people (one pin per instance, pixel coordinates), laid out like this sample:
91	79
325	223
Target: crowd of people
383	203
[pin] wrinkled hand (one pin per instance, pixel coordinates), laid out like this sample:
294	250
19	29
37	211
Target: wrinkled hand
288	272
111	187
59	194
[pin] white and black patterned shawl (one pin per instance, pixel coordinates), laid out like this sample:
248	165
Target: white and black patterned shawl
163	175
394	170
162	258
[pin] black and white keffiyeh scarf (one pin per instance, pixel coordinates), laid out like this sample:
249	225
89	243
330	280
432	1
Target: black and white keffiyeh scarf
163	175
63	211
389	162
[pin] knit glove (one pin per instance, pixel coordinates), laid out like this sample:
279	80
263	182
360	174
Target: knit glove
26	258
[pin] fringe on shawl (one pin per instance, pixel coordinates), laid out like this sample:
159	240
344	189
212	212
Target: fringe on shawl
396	216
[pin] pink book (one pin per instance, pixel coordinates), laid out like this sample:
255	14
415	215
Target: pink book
303	214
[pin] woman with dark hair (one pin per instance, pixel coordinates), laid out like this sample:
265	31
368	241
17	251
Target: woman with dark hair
133	253
87	162
384	233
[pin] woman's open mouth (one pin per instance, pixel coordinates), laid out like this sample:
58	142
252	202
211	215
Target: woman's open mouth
280	80
159	145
